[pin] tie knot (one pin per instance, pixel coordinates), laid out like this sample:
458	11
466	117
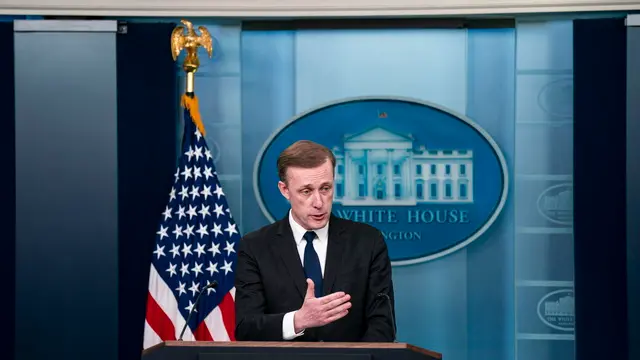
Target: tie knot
309	236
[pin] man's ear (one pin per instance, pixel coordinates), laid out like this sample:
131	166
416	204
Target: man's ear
284	190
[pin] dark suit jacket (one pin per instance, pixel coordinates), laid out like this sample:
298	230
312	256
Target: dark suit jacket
270	282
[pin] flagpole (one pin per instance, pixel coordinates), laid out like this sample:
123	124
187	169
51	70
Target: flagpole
185	37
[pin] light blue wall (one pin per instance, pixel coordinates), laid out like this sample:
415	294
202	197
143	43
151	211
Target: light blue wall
544	167
482	301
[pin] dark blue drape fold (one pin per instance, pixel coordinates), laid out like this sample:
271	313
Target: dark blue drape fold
147	122
7	187
599	188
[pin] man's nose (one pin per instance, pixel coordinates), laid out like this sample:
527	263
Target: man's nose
317	200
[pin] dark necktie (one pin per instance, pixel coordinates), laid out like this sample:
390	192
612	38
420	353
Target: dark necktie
312	267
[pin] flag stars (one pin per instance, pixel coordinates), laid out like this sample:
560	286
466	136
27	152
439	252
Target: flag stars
194	288
184	193
186	250
218	211
231	229
197	268
206	191
196	172
200	250
198	152
163	232
194	192
184	269
227	267
207	171
213	268
180	212
192	211
217	230
188	308
175	250
189	224
202	231
214	249
180	289
189	153
204	211
187	173
178	231
172	270
167	213
188	231
229	248
159	251
218	191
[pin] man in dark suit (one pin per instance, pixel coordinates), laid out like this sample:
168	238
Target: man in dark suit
312	276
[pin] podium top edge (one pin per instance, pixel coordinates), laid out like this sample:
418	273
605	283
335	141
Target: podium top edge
295	344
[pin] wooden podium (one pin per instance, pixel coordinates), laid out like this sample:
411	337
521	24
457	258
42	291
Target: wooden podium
250	350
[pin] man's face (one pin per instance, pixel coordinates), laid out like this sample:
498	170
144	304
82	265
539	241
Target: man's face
310	192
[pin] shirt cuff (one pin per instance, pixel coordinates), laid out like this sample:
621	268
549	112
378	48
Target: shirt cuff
288	328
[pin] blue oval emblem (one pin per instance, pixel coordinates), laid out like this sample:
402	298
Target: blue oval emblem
556	98
431	180
557	310
556	204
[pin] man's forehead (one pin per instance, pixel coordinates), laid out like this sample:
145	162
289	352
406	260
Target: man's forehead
310	173
313	184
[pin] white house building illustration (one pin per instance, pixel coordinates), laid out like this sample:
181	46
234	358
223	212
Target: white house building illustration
380	167
565	306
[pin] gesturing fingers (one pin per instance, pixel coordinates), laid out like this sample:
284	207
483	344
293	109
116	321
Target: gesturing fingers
337	316
337	310
336	302
331	297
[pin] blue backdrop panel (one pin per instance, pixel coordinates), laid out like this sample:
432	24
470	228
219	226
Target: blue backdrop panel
496	297
490	262
543	191
441	305
66	192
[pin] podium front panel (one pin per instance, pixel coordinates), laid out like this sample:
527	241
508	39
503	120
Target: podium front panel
280	355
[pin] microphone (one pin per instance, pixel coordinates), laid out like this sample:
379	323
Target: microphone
393	320
211	285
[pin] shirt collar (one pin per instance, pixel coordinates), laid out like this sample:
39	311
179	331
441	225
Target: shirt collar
299	231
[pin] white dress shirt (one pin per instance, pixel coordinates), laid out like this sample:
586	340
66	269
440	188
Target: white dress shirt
320	245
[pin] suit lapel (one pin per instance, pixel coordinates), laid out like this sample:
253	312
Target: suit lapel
285	245
334	254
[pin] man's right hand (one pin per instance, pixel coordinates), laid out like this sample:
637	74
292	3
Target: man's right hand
321	311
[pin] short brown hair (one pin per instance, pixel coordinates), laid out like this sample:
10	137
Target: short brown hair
304	154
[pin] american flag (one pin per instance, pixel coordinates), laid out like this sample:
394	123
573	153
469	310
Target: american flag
195	245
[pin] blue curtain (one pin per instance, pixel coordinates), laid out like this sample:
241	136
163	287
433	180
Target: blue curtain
147	110
599	164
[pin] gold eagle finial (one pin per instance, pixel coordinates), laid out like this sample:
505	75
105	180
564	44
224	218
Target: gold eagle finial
190	41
